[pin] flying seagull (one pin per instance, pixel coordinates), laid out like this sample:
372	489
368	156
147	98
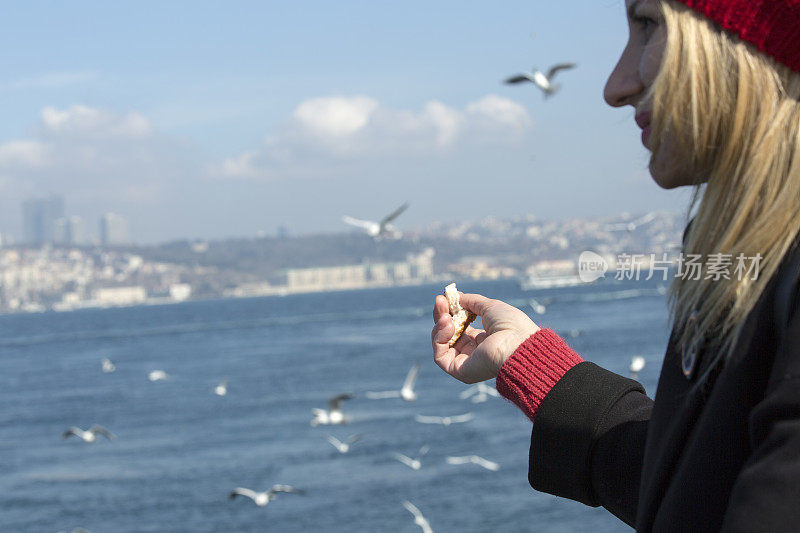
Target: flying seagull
263	498
632	225
479	392
406	392
222	388
108	365
444	420
537	307
637	364
543	81
480	461
379	230
157	375
414	463
343	447
333	415
90	435
420	520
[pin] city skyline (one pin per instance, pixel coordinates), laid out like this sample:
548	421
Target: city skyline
46	220
227	121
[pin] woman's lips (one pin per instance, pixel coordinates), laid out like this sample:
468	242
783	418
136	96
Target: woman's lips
643	121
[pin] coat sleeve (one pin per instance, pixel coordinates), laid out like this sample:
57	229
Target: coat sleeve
766	494
588	440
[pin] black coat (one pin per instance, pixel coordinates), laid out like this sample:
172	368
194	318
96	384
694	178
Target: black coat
725	456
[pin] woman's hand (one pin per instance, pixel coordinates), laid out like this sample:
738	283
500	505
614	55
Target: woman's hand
478	354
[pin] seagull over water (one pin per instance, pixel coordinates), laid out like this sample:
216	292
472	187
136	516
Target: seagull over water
157	375
343	447
420	520
413	463
379	230
90	435
475	459
444	420
637	364
222	388
537	306
479	392
108	365
541	80
333	415
263	498
632	225
406	392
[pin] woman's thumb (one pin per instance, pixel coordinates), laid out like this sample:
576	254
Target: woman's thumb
476	303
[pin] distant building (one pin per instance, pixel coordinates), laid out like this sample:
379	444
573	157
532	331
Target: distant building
111	296
416	269
69	231
114	230
39	216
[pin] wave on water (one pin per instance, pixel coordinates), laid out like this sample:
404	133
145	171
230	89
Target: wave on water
221	325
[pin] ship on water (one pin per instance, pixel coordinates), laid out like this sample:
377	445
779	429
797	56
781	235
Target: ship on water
551	275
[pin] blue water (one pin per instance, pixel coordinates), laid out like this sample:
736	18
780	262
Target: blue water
180	449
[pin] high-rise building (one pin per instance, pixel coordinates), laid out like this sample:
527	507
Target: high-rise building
114	230
39	217
70	231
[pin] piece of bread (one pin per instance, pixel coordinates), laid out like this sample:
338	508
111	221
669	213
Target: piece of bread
461	317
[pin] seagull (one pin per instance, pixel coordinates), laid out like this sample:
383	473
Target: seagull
263	498
480	392
90	435
333	415
537	307
544	82
406	392
157	375
108	365
416	462
444	420
343	447
632	225
379	230
480	461
420	520
222	388
637	364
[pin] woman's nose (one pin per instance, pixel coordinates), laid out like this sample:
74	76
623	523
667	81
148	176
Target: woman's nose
624	85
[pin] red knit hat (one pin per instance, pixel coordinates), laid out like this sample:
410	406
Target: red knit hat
772	25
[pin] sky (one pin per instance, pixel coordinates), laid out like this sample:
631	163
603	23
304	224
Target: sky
207	120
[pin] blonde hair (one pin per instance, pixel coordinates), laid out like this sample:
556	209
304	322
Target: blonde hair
734	114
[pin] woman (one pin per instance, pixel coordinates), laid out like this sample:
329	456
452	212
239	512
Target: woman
716	89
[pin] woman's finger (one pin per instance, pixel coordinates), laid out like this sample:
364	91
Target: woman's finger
440	307
441	334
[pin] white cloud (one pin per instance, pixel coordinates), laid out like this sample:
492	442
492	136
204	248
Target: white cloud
500	111
84	120
336	116
22	153
88	152
341	130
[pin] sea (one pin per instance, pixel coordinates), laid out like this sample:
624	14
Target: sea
180	449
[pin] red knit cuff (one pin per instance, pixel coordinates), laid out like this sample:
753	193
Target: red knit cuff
535	366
